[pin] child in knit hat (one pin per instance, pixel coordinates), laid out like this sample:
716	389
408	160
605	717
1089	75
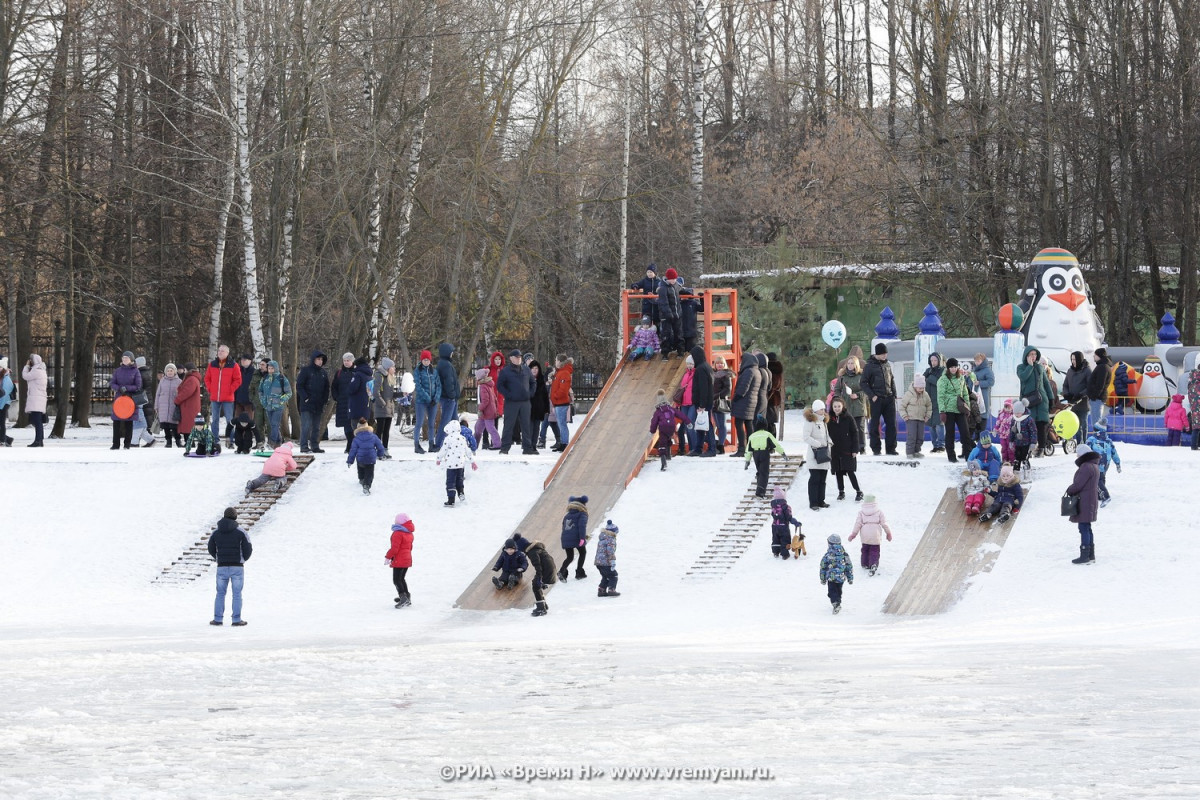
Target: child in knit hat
489	410
606	561
916	407
1008	496
872	524
972	487
366	449
1003	427
644	341
836	569
781	518
1022	433
399	557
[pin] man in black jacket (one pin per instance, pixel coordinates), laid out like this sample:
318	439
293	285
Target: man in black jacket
649	285
312	393
702	402
671	315
515	385
881	387
230	547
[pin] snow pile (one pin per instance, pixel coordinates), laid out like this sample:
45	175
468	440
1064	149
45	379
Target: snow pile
1047	679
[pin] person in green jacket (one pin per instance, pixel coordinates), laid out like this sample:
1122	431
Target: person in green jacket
1036	392
954	408
759	447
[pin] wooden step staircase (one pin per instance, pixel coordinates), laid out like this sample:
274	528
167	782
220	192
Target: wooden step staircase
195	560
743	525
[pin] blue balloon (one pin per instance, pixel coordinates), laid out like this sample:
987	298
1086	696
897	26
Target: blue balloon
833	333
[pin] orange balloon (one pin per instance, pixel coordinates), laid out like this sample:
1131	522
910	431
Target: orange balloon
124	407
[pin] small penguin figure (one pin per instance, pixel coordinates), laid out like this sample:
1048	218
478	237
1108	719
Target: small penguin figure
1152	393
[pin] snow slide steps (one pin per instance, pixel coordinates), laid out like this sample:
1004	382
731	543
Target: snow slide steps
953	549
743	525
195	560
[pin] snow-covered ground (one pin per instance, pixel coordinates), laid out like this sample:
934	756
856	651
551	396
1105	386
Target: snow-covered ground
1048	680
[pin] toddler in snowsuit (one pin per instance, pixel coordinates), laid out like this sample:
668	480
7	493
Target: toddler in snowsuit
781	518
1008	496
972	488
574	536
201	438
871	524
644	341
1004	421
1100	443
1022	433
244	434
456	452
662	424
836	569
511	565
1176	420
759	447
606	561
365	448
275	469
399	557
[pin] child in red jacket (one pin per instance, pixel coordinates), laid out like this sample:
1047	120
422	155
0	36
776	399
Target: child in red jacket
399	557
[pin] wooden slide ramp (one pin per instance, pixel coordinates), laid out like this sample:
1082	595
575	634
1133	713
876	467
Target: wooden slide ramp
603	456
744	524
954	549
195	560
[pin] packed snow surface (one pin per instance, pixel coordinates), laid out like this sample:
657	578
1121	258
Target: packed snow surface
1048	680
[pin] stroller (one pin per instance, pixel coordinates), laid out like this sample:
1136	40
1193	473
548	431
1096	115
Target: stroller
1053	440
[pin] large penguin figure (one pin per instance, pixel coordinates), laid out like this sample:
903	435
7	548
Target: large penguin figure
1059	315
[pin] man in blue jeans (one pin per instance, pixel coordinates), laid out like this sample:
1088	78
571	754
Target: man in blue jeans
230	547
448	402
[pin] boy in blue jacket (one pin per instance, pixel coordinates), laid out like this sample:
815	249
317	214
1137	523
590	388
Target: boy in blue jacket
1100	443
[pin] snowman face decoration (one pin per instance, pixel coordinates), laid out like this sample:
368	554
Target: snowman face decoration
1065	286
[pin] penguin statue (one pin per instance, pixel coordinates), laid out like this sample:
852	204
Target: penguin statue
1153	394
1057	304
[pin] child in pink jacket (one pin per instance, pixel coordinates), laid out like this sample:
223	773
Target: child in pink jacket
489	409
1176	420
873	526
275	469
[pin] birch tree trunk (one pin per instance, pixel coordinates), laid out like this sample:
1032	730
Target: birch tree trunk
374	213
214	320
696	240
245	179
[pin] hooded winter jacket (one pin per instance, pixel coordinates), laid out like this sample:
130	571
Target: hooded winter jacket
312	385
836	566
1175	418
871	524
446	372
1087	486
560	387
280	461
937	366
745	392
187	397
702	380
126	381
764	385
365	447
1035	383
455	453
575	523
275	390
35	385
383	391
816	434
229	544
400	552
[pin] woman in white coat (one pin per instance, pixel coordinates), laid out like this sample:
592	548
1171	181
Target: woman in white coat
816	436
34	373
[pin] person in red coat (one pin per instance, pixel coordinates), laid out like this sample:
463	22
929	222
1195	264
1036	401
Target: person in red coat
222	379
399	557
496	363
187	397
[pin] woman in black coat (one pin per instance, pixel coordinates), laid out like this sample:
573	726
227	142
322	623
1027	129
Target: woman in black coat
843	453
539	407
745	401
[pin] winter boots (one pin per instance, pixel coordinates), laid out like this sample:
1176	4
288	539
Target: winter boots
858	496
602	592
404	600
541	610
837	607
1087	555
562	575
662	457
579	574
